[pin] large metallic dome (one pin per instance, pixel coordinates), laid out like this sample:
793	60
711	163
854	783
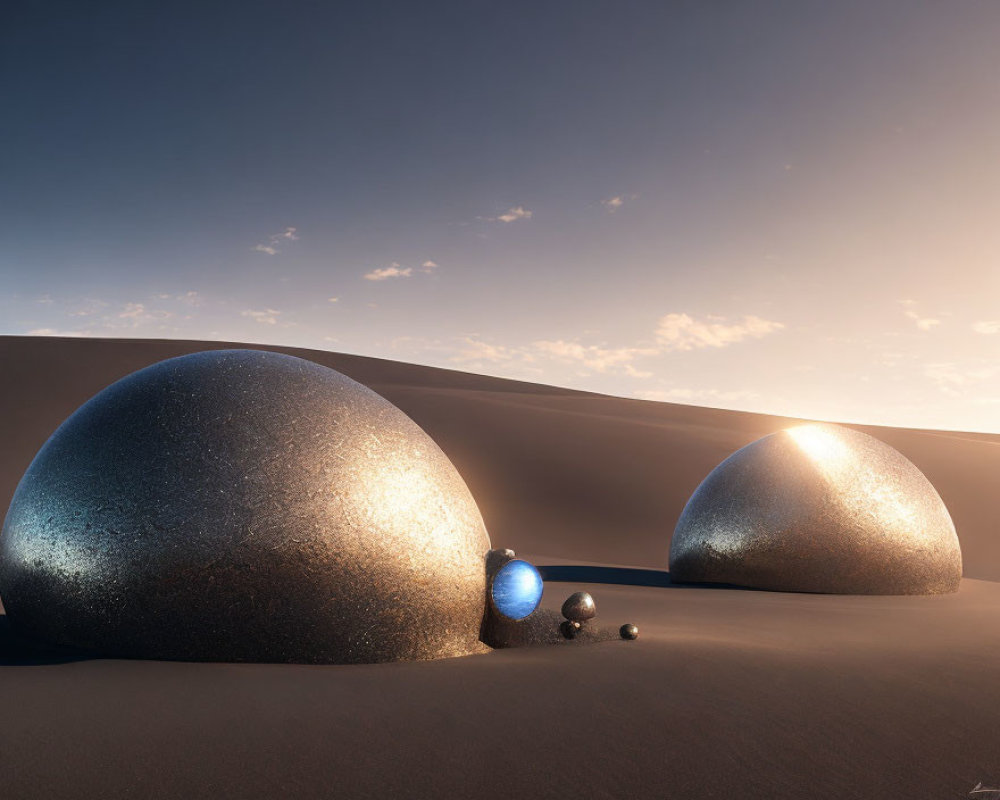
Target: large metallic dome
818	508
241	505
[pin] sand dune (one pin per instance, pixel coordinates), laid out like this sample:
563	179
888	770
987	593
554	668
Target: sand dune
727	693
559	473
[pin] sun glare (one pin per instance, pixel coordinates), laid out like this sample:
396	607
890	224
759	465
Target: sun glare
865	485
820	444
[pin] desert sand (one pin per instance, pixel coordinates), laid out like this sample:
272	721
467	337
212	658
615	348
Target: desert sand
727	692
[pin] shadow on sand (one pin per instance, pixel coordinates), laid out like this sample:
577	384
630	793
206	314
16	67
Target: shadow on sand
622	576
17	650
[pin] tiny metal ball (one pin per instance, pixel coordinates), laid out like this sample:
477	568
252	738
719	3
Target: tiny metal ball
569	628
579	607
629	631
495	559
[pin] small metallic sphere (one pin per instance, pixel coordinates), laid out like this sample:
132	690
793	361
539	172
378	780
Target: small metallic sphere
516	590
569	628
579	607
629	631
495	559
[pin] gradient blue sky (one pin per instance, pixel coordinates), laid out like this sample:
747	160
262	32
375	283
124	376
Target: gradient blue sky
791	207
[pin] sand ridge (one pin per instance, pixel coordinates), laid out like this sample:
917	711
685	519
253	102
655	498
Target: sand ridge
564	474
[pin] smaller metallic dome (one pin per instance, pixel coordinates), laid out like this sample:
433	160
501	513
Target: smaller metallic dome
629	631
818	508
579	607
516	590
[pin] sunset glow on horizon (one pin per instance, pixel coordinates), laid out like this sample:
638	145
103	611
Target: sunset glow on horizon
789	208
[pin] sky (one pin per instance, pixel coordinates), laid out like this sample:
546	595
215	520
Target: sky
788	207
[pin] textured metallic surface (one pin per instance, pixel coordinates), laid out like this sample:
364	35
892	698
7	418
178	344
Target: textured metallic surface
569	628
579	607
818	508
241	505
496	559
516	589
629	631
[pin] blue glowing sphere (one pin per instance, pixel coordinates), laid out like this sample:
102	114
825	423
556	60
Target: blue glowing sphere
516	589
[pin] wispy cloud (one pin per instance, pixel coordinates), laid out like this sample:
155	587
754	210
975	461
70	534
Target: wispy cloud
923	323
987	326
89	307
613	204
679	332
593	357
55	332
187	298
135	314
686	395
955	377
512	214
632	372
190	298
394	270
472	349
675	332
268	316
271	245
397	270
104	318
